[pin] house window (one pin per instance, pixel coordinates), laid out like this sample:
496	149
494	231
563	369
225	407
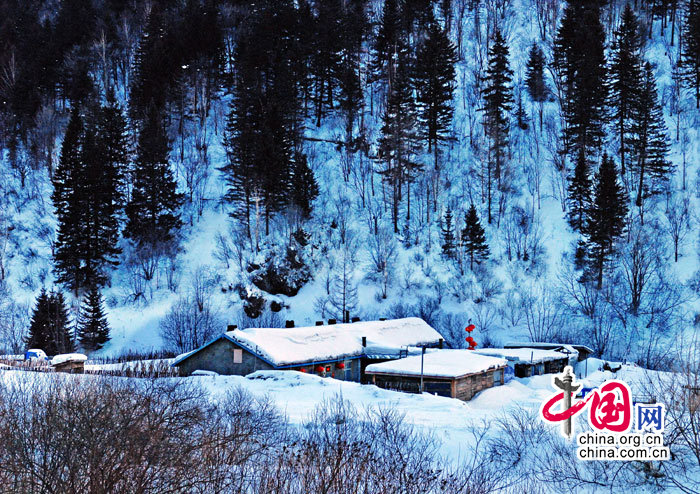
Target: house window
497	377
237	356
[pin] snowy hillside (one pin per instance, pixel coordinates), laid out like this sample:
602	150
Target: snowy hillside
345	255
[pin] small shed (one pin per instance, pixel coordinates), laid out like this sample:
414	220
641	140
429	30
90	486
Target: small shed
73	363
576	352
526	362
457	374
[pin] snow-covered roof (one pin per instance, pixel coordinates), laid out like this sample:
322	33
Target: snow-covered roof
438	363
523	355
290	346
68	357
317	343
570	347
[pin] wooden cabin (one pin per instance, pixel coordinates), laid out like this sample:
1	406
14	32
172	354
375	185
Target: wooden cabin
73	363
527	362
575	351
459	374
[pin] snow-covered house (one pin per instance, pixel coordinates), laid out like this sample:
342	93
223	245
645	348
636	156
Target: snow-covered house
576	352
453	373
526	362
341	351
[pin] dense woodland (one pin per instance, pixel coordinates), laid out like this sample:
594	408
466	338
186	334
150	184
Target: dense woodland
405	157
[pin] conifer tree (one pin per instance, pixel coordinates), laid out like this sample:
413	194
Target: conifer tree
448	236
579	190
625	75
434	76
474	238
263	130
87	201
399	141
498	99
152	68
690	59
649	143
353	30
325	59
389	42
92	327
50	329
579	58
38	335
153	212
521	118
112	141
67	263
536	84
606	219
303	185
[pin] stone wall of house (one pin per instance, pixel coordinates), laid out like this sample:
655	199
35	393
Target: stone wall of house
351	372
219	357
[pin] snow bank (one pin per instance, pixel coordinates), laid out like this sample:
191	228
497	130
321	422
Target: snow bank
318	343
438	363
68	357
523	355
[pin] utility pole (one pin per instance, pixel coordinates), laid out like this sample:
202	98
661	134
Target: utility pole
422	357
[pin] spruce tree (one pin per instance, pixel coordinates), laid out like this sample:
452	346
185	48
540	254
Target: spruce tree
92	327
498	101
399	142
353	30
579	190
434	77
649	142
153	212
325	57
49	329
152	68
690	57
38	335
303	186
388	43
112	140
448	236
67	263
536	83
263	129
625	75
98	222
474	238
606	219
579	58
521	118
61	337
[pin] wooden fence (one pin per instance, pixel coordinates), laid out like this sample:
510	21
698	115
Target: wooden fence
144	370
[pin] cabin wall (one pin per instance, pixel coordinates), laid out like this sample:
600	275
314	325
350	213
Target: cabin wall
463	389
411	384
467	387
219	357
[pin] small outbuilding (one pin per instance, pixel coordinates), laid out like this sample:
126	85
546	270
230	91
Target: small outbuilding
340	351
526	362
73	363
453	373
576	352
